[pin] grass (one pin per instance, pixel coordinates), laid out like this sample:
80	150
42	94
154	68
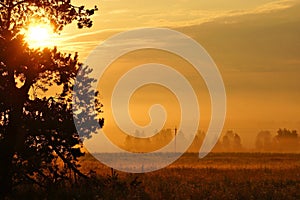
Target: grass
218	176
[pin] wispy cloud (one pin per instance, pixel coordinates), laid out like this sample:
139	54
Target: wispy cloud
276	5
119	20
195	17
85	42
121	11
71	37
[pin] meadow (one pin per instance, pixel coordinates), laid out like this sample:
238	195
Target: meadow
217	176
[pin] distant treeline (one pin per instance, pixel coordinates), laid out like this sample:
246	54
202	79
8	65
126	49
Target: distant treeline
284	140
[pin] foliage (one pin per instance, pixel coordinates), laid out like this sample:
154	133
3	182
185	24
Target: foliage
38	139
285	133
111	187
15	14
264	141
287	140
284	141
231	141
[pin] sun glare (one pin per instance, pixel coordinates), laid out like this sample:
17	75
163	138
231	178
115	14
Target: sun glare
39	36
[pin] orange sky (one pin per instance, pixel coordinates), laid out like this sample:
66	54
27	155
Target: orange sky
255	44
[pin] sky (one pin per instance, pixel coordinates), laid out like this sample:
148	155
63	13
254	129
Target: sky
255	44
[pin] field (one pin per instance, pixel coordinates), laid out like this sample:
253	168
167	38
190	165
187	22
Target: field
218	176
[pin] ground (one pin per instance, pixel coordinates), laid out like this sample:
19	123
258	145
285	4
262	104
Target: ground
218	176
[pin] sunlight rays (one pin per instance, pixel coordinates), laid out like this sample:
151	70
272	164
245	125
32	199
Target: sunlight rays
40	36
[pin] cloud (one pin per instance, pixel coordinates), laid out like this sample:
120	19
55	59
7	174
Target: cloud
274	6
68	37
84	43
178	13
121	11
204	16
118	20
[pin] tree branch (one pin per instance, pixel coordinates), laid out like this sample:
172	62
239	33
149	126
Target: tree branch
2	4
19	3
34	181
69	164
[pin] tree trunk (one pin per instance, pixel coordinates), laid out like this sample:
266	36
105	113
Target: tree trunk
8	147
5	168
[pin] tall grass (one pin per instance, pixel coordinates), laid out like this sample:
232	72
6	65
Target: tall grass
218	176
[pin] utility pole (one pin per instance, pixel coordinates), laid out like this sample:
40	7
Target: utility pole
175	132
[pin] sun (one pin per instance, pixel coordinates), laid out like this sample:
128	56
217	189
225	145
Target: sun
39	36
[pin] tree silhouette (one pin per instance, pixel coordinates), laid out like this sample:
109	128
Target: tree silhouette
287	140
36	132
197	142
231	141
263	141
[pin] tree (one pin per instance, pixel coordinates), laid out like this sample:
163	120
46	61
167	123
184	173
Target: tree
197	142
237	144
231	141
36	131
287	140
226	142
263	141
